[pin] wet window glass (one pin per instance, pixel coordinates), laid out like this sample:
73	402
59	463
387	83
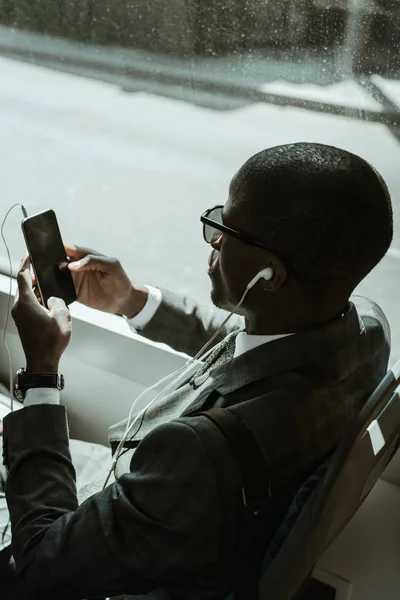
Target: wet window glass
129	118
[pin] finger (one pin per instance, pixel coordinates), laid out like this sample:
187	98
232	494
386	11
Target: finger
37	294
25	258
94	262
78	252
24	281
24	295
63	265
25	262
16	297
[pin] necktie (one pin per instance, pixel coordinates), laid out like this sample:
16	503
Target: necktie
223	352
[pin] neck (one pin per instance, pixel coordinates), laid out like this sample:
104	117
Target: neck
292	321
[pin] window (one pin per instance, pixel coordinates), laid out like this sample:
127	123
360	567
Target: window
129	118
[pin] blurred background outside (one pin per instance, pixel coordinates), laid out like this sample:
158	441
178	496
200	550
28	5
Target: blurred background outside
130	117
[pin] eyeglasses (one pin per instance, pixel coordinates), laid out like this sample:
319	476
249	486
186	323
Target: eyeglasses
213	228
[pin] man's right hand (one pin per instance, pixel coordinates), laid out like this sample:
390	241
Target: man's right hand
101	283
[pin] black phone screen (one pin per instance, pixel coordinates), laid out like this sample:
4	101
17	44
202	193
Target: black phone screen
46	249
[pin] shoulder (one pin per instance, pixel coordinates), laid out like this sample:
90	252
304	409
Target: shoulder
374	320
368	309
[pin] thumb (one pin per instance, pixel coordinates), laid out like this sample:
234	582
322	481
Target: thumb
54	304
60	312
93	262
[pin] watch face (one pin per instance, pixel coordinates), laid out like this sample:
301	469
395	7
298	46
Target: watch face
18	392
60	381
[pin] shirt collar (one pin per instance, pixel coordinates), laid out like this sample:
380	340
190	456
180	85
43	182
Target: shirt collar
287	354
246	341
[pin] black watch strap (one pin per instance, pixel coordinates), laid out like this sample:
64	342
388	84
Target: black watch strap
26	381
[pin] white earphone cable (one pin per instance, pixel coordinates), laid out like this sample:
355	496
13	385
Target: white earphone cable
177	374
24	212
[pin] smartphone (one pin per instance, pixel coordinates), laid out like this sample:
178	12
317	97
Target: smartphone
46	249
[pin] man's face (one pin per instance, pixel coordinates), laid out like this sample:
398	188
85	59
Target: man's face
231	262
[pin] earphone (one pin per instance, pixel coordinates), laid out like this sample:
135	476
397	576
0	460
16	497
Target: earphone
266	274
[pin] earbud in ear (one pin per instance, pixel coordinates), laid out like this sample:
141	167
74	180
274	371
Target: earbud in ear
264	274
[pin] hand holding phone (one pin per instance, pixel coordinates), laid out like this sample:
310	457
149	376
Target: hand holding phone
44	332
47	253
102	283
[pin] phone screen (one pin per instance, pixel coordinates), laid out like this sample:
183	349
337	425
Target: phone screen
46	249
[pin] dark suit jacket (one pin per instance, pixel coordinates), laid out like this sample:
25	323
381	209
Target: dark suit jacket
160	525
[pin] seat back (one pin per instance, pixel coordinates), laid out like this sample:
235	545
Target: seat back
368	445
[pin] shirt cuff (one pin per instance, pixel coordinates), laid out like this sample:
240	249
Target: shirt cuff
41	396
144	317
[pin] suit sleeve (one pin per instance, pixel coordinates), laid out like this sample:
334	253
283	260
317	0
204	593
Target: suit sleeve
185	325
155	524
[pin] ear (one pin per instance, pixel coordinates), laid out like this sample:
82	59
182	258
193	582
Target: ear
279	278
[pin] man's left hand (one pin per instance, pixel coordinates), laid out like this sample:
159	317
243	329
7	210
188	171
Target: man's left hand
44	333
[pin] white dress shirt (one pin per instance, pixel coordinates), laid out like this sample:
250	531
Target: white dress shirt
244	343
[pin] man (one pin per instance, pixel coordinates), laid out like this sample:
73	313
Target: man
316	219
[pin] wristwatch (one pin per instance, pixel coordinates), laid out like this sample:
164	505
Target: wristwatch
26	381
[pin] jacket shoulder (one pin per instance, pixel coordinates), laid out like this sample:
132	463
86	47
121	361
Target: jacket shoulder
372	315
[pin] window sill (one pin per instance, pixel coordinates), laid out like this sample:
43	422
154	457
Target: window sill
106	366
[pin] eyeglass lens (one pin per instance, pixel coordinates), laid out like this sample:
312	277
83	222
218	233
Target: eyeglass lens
212	234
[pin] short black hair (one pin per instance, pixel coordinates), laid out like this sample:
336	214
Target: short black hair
327	210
